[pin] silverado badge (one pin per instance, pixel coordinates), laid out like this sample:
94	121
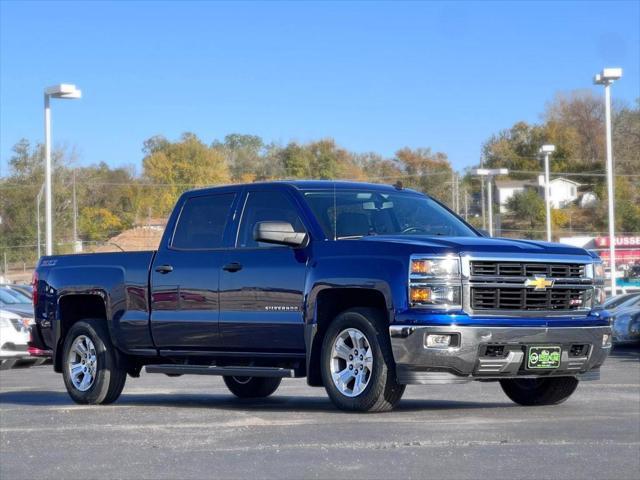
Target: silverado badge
539	283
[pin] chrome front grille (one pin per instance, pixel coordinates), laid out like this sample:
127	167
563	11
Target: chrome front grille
501	285
527	269
483	298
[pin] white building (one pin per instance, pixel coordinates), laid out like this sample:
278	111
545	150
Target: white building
562	191
505	189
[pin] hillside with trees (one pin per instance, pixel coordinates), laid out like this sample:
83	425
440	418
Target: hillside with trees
110	200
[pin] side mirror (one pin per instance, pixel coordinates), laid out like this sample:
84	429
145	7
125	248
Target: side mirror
279	233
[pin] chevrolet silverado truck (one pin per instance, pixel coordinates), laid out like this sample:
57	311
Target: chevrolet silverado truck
360	288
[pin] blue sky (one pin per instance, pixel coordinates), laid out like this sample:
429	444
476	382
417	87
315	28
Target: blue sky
375	76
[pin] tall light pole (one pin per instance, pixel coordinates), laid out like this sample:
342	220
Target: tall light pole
64	91
489	173
606	78
547	150
38	201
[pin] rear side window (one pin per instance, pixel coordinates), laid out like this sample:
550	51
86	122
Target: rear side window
202	222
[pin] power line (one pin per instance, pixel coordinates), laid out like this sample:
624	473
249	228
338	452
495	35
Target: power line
387	177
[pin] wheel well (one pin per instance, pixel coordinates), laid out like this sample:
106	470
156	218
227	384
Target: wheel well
329	303
73	308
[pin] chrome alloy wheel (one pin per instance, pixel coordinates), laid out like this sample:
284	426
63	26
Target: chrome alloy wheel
82	363
242	380
351	362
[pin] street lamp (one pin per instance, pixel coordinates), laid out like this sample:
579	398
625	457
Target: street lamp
547	150
606	78
489	173
63	91
38	201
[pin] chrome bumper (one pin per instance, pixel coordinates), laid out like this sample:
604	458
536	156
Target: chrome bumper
417	364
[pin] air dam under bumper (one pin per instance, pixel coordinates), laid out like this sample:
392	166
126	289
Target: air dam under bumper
472	360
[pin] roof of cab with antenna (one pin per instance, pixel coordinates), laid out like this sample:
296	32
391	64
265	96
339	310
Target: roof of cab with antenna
319	185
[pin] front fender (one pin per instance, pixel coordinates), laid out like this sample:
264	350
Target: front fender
383	274
380	274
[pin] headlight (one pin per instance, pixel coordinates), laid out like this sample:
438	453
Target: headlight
598	272
436	267
435	282
598	280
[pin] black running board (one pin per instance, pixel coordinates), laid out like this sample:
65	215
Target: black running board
226	371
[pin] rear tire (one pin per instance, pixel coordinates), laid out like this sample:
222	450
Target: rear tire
252	387
109	375
539	391
381	390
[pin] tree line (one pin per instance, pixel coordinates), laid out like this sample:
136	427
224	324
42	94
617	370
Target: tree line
112	199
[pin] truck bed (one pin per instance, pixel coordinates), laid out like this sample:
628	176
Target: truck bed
121	279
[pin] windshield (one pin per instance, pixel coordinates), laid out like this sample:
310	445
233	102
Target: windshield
615	302
357	213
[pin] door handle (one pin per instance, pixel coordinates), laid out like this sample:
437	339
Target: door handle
164	269
232	267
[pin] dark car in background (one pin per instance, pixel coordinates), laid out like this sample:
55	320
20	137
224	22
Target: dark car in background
625	317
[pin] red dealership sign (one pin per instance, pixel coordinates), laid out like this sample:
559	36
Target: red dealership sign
620	241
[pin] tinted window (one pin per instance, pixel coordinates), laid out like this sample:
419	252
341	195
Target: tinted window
353	214
264	207
202	222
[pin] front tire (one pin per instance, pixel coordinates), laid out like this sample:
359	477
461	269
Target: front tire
539	391
357	366
92	368
252	387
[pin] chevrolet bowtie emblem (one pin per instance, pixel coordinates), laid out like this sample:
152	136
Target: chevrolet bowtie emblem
539	283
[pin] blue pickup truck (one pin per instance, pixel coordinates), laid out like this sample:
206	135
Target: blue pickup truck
361	288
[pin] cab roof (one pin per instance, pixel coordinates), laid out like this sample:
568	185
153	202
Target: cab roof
314	185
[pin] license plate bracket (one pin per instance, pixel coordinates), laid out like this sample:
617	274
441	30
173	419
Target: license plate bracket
543	357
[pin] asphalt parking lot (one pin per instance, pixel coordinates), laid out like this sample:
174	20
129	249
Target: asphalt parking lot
191	427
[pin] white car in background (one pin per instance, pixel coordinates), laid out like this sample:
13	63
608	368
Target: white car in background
14	337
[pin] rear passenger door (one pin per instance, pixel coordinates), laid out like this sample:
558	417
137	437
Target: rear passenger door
185	275
262	285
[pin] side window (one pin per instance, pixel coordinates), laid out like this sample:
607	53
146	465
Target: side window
263	207
202	222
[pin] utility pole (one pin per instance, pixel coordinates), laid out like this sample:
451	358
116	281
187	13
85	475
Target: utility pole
489	174
466	204
75	212
38	200
547	150
453	190
484	218
490	204
457	193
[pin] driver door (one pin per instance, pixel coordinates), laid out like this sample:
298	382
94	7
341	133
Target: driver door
262	285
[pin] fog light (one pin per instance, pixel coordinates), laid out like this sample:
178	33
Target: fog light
606	340
438	341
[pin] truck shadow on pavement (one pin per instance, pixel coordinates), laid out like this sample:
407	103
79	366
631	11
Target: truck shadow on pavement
284	403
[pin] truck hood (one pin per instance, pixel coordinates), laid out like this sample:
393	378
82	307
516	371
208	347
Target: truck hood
480	244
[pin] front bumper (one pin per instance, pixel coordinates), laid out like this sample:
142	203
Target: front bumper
469	360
